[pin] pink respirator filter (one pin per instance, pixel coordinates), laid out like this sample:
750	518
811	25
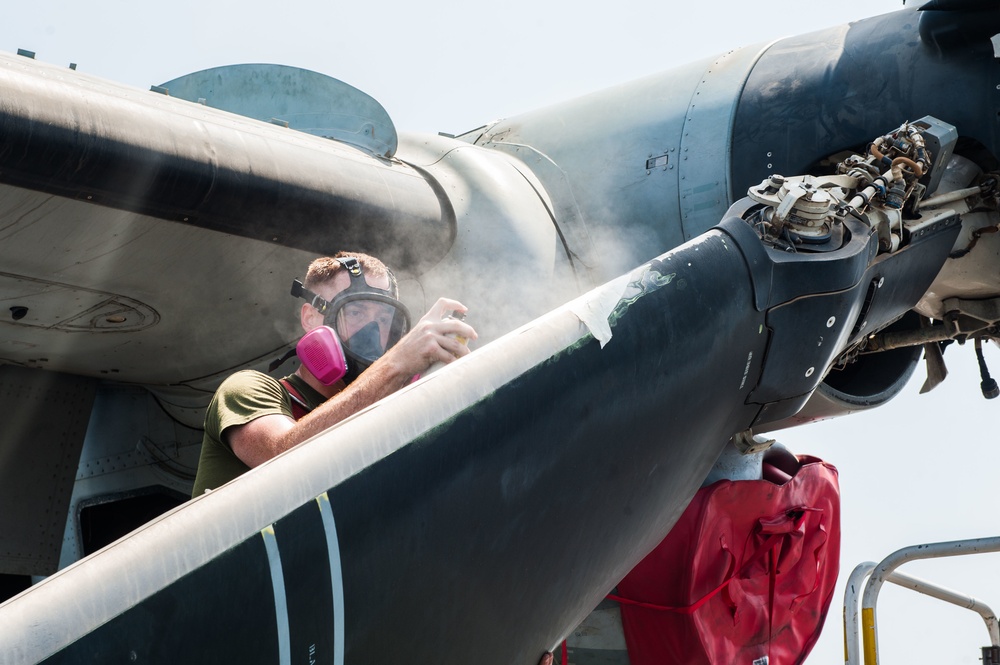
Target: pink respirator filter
321	353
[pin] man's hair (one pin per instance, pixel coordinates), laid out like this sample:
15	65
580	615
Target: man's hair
324	269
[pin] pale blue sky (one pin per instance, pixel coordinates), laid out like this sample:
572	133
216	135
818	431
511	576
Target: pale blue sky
918	470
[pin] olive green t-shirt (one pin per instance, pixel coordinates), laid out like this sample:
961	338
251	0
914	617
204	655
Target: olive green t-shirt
244	396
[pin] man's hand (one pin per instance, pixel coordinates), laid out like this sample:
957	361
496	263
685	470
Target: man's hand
433	339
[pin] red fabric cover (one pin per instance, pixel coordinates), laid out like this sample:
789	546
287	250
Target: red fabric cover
748	572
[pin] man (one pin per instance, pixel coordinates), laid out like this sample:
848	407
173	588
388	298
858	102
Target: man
254	417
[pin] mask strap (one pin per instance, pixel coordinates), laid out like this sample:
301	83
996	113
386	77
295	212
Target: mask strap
352	265
360	283
278	362
314	299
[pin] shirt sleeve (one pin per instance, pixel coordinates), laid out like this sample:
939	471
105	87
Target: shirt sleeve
243	397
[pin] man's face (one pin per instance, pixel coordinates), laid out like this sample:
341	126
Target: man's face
359	315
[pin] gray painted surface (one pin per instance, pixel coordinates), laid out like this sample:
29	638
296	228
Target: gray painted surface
307	101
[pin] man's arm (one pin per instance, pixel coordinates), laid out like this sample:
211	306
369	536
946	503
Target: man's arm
431	340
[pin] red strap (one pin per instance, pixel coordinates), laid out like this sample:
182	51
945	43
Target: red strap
689	609
775	529
299	406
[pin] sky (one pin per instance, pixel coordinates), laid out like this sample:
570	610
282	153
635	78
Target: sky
916	470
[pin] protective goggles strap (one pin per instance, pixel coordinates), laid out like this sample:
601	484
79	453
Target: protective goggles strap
314	299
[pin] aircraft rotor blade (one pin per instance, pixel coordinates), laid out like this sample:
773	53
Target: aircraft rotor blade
478	513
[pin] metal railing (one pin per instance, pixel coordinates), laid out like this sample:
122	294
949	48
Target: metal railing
884	571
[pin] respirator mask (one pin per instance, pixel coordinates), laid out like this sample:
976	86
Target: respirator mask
363	323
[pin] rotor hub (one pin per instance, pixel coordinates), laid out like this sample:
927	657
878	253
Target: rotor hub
800	205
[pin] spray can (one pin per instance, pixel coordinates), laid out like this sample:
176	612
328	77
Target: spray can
450	315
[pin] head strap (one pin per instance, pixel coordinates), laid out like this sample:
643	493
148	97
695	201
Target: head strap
358	285
314	299
351	264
